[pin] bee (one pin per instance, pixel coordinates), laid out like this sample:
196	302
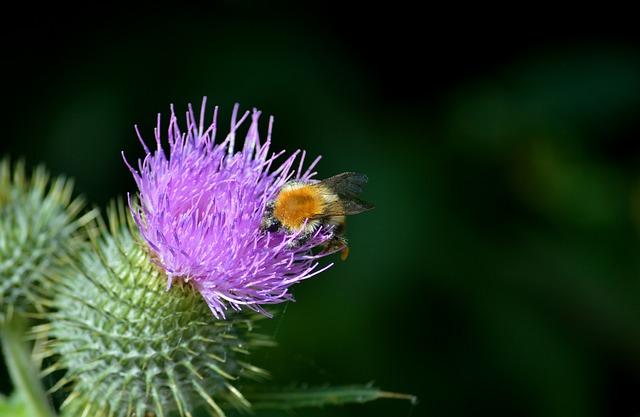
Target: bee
302	207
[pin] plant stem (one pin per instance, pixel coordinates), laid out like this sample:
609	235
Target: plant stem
25	377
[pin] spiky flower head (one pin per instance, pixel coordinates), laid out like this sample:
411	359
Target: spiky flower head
131	348
201	205
39	227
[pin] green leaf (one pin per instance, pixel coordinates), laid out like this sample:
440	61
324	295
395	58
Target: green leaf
300	397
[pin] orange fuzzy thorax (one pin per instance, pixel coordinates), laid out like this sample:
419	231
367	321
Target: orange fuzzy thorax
296	204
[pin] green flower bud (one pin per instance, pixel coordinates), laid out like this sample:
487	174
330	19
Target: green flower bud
133	348
38	229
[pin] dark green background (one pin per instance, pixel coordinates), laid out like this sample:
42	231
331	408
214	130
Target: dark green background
498	274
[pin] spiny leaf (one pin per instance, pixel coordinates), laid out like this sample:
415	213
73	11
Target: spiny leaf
300	397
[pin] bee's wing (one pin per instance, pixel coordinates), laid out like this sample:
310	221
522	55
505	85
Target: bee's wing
346	207
352	205
347	186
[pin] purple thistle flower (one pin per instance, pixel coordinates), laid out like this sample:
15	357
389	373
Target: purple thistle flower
200	208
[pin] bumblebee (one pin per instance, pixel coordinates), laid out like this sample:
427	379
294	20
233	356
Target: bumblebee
302	207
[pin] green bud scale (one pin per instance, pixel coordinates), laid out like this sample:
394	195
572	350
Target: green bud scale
39	227
131	347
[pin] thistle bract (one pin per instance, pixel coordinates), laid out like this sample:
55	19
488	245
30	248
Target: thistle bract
132	348
200	207
38	229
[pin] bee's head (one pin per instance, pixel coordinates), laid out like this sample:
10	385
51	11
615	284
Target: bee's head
269	222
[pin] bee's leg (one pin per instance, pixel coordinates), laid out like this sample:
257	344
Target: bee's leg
338	243
344	253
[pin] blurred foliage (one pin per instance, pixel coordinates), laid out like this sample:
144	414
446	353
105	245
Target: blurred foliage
498	274
12	406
